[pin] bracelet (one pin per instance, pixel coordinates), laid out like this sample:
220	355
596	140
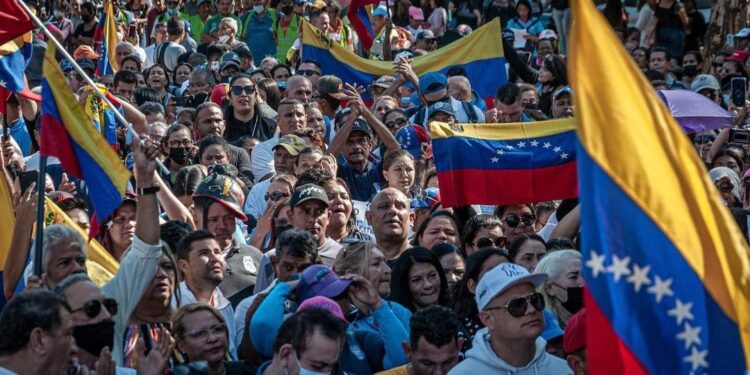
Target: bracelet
147	190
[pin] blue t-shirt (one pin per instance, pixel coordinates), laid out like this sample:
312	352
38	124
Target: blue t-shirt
20	133
364	184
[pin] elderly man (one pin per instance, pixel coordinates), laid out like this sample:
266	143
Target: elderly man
298	87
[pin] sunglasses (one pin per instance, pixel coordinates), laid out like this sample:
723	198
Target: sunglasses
94	307
399	122
517	306
514	220
238	90
725	186
308	72
276	195
703	139
498	242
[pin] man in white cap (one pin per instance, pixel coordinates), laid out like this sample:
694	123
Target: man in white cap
512	312
708	86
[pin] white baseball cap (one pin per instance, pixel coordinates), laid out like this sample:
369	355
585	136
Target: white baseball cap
501	278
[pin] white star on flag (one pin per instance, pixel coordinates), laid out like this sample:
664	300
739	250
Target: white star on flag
661	288
557	149
2	83
534	143
681	311
697	358
619	267
564	156
547	145
596	263
509	147
500	152
521	144
639	277
495	159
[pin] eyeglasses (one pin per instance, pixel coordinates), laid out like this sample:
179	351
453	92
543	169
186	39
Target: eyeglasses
517	306
276	195
308	72
725	186
498	242
238	90
177	143
202	334
397	123
514	220
94	307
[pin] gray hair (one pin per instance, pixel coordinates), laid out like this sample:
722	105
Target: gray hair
231	22
552	265
70	280
127	45
55	235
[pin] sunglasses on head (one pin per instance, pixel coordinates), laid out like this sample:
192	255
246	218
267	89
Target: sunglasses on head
94	307
238	90
517	306
514	220
276	195
498	242
725	186
308	72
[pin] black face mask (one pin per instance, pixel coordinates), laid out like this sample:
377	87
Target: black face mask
690	70
287	10
94	337
575	299
531	106
180	155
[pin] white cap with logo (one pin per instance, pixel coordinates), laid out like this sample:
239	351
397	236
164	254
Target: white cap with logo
503	277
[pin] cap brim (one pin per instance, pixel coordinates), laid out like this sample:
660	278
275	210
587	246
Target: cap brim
289	148
231	207
536	279
335	289
311	198
336	95
552	334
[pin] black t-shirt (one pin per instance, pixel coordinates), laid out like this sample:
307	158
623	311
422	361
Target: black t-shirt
81	31
261	126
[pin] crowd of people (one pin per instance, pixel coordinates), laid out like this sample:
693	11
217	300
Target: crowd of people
297	228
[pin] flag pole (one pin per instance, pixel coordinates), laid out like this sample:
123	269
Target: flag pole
86	78
41	180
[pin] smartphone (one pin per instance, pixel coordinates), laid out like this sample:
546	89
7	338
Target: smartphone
132	30
739	136
739	91
26	178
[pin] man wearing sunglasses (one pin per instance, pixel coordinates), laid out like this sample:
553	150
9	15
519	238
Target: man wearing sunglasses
311	70
247	116
512	311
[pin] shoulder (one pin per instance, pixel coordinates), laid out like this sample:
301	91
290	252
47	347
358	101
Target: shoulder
251	251
266	111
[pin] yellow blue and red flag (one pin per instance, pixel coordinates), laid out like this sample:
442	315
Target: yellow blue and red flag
360	21
68	134
480	54
14	19
6	235
106	41
505	163
667	269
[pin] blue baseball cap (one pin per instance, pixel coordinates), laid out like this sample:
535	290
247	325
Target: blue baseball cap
444	107
380	11
562	91
320	280
66	66
552	328
427	199
432	82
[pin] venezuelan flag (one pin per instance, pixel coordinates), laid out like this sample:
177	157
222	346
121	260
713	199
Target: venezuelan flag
480	53
14	19
360	20
666	268
14	57
505	163
105	37
101	266
68	134
6	235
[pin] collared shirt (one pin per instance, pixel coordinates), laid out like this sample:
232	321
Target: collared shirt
219	302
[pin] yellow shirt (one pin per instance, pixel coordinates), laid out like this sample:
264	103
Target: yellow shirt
400	370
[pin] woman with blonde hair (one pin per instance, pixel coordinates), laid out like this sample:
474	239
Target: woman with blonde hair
563	290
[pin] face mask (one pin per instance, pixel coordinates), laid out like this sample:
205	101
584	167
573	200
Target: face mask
304	371
258	8
531	106
690	70
726	98
94	337
180	155
223	38
575	299
171	11
288	10
58	14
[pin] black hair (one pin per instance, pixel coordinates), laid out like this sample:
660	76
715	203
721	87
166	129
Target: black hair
515	246
445	248
423	227
134	59
474	225
24	313
697	54
175	25
280	66
238	76
145	94
196	59
464	303
456	71
733	152
394	110
308	61
174	72
526	3
151	108
299	327
400	280
437	324
210	141
273	93
215	49
313	176
560	243
243	52
147	72
172	231
297	243
174	128
125	76
660	49
556	65
183	246
509	94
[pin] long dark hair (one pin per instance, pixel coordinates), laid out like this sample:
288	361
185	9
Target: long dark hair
515	246
463	302
426	222
400	280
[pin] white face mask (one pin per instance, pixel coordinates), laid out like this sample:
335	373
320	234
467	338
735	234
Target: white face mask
304	371
223	38
258	8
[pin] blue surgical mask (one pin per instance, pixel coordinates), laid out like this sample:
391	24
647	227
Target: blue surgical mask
726	99
171	11
258	8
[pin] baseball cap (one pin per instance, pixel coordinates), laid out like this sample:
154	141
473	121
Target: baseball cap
323	303
738	56
744	33
380	11
416	13
203	1
501	278
291	143
308	192
426	35
320	280
444	107
229	59
552	328
705	81
384	82
464	30
65	65
562	91
427	199
361	125
411	138
331	85
85	51
432	82
575	333
548	34
85	63
218	187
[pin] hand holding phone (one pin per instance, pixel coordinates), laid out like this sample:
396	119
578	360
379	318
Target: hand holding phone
739	91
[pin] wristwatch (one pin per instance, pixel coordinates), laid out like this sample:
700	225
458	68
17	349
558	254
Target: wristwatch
147	190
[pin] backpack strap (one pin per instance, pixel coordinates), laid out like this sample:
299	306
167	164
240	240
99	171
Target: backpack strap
471	112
